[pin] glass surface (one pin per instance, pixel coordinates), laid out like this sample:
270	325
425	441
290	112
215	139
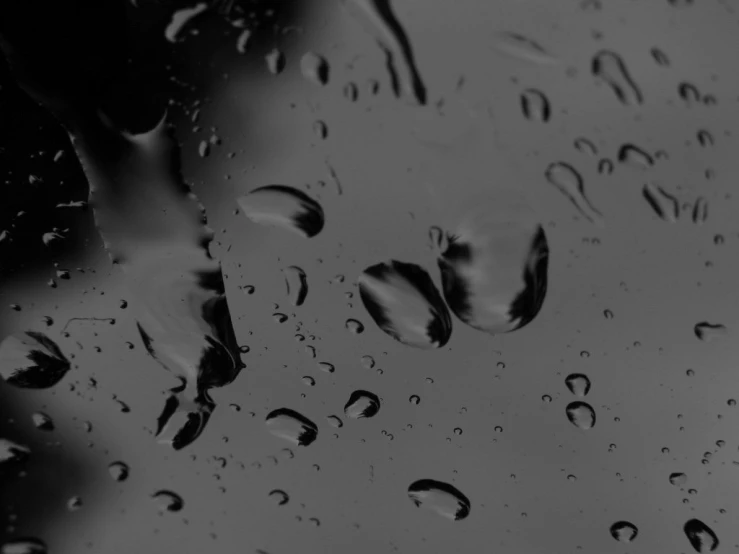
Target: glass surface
477	258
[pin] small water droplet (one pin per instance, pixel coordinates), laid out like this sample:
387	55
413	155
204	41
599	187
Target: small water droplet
315	68
624	531
309	381
279	317
605	166
608	314
665	205
442	498
701	536
297	284
275	60
578	384
354	326
362	404
248	289
731	402
242	42
335	421
415	399
290	425
25	545
535	105
283	206
546	398
581	415
279	497
610	67
203	149
689	93
367	361
320	129
569	181
705	138
585	146
42	421
678	479
168	501
709	331
660	57
74	503
351	92
180	18
32	360
118	471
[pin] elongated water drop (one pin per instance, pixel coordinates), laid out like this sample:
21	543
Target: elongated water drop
25	545
524	48
292	426
442	498
378	18
168	501
662	202
535	105
242	43
701	536
315	68
632	155
624	531
404	302
609	67
32	360
700	211
578	384
180	18
569	181
709	331
285	207
362	404
297	284
494	268
581	415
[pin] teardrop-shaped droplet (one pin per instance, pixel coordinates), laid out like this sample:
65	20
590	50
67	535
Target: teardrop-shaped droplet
624	531
678	479
689	93
701	536
569	181
275	60
26	545
292	426
168	501
404	302
283	206
524	48
378	18
315	68
586	146
118	471
608	66
297	284
442	498
660	57
12	452
494	269
335	421
535	105
581	415
279	497
362	404
578	384
632	155
42	421
710	331
662	202
32	360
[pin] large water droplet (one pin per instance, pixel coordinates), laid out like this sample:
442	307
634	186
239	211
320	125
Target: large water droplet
581	415
494	269
701	537
378	18
609	67
569	181
314	68
578	384
524	48
404	302
168	501
624	531
709	331
42	421
283	206
442	498
26	545
535	105
297	284
665	205
118	471
678	479
292	426
632	155
12	452
362	404
32	360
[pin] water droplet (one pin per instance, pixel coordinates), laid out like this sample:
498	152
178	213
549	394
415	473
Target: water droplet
283	206
403	301
457	430
680	3
709	331
203	149
335	421
315	68
279	497
242	42
689	93
297	284
24	545
605	166
585	146
275	60
326	367
494	269
662	202
632	155
524	48
378	18
609	67
354	326
731	402
623	531
362	404
13	452
42	421
180	18
678	479
309	381
442	498
578	384
705	138
701	537
320	129
660	57
290	425
535	105
351	92
168	501
74	503
700	211
248	289
569	181
546	398
244	349
32	360
415	399
118	471
608	314
581	415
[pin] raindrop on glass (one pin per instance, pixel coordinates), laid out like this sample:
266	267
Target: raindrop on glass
362	404
660	57
42	421
623	531
168	501
524	48
665	205
689	93
354	326
709	331
118	471
585	146
569	181
279	497
283	206
11	452
315	68
442	498
292	426
535	105
275	60
701	537
578	384
415	399
678	479
297	284
581	415
609	67
632	155
26	545
700	211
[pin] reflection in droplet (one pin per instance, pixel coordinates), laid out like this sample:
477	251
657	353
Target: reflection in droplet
283	206
403	301
494	269
569	181
314	68
32	360
279	497
118	471
26	545
662	202
275	60
535	105
689	93
354	326
442	498
290	425
578	384
660	57
709	331
624	531
586	146
168	501
378	18
297	284
678	479
609	67
581	415
42	421
524	48
700	210
362	404
701	537
632	155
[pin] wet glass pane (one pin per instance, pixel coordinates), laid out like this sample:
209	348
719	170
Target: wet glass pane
368	275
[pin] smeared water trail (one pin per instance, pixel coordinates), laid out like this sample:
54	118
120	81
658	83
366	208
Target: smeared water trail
569	181
442	498
662	202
